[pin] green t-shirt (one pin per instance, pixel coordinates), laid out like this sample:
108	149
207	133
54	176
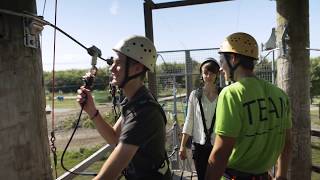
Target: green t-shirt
257	114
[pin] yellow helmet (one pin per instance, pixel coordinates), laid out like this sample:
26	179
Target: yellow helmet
140	49
240	43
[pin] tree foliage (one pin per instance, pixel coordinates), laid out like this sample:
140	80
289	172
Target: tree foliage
70	80
168	71
315	76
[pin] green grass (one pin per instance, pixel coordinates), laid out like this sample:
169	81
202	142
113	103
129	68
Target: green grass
86	122
66	103
315	157
99	97
314	115
316	100
315	143
72	158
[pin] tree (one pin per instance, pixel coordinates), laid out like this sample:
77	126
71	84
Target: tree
70	80
294	78
24	138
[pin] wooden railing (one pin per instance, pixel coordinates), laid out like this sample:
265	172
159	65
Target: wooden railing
83	165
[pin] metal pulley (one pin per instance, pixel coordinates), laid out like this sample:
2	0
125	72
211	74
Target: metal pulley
88	79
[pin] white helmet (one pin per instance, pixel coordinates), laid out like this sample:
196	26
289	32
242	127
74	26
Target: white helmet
140	49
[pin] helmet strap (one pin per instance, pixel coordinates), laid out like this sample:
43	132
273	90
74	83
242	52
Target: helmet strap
126	72
232	69
127	78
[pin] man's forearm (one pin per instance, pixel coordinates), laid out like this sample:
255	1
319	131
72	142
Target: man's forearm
117	161
105	130
219	157
216	166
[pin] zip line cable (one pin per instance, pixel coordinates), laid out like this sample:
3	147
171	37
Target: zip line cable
44	7
43	10
43	22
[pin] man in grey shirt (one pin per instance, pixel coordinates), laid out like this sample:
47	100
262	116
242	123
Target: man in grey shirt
139	133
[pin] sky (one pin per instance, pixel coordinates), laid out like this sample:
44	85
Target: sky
104	22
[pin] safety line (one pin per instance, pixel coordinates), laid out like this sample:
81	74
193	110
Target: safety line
53	89
53	65
44	7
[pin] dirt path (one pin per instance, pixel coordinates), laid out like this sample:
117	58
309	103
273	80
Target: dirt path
83	138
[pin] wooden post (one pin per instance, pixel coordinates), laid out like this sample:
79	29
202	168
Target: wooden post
24	150
293	77
152	78
188	72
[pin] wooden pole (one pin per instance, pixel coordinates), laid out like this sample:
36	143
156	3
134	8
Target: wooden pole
293	77
24	150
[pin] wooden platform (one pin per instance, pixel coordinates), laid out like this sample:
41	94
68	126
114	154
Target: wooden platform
185	175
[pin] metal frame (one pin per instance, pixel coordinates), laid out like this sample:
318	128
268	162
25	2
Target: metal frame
148	6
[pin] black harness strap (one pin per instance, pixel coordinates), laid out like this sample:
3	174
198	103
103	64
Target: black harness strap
148	155
206	131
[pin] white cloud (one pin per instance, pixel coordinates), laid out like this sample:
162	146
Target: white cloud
114	7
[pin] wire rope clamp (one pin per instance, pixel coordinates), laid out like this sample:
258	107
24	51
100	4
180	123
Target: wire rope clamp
31	29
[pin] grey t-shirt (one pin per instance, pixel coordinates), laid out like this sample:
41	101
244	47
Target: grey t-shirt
144	126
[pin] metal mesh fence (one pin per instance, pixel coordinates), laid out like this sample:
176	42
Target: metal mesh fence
179	70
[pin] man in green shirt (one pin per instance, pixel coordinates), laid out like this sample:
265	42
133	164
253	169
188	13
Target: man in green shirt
253	122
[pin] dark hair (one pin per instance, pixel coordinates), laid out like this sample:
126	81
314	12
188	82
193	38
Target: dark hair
211	65
245	61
